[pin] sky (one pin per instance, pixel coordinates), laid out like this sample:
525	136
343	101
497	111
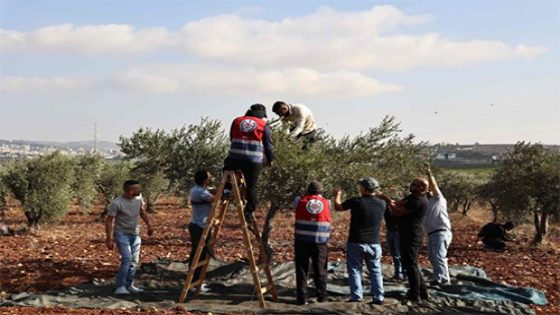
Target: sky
449	71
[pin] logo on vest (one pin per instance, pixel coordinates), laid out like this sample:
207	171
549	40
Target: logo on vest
247	125
314	206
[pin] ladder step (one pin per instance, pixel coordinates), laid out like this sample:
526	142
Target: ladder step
268	288
203	263
197	283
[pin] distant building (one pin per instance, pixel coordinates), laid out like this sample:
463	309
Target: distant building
446	156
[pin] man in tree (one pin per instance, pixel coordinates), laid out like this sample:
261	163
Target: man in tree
366	214
124	212
495	236
411	212
251	146
438	228
312	232
300	118
201	201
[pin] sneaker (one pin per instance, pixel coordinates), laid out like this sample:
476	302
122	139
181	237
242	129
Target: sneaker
134	289
325	299
302	302
203	289
121	291
377	302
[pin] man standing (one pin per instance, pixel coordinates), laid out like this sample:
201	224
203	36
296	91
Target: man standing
438	228
251	144
411	212
124	212
201	201
312	232
300	118
393	240
366	213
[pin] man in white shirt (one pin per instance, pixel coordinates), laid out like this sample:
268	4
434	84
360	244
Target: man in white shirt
300	118
438	228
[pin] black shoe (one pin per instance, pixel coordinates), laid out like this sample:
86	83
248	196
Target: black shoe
377	302
425	296
413	298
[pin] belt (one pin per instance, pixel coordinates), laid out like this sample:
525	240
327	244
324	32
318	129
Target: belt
435	231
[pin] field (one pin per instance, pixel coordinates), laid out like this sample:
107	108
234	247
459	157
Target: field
73	252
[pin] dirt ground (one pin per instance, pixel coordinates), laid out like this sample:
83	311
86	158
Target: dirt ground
73	251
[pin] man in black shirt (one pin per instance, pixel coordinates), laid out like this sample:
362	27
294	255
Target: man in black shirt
411	212
494	235
363	240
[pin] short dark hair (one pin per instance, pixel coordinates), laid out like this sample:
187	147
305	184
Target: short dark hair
508	225
315	188
130	182
277	105
200	176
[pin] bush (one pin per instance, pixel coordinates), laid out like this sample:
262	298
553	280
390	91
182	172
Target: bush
43	186
87	172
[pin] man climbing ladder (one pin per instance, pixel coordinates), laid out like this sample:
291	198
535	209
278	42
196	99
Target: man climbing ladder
214	224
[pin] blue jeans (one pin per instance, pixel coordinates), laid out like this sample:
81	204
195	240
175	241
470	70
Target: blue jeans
371	253
393	239
438	243
129	248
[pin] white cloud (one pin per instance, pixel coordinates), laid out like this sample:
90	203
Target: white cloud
218	80
326	40
92	39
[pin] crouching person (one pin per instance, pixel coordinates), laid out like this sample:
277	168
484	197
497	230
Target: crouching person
124	212
366	214
312	232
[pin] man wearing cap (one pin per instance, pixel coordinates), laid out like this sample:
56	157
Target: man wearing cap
438	228
300	118
312	232
411	212
366	214
251	146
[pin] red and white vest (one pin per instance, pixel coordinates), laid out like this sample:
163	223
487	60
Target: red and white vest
313	219
247	139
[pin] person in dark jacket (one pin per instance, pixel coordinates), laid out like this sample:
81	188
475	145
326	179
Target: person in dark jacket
495	236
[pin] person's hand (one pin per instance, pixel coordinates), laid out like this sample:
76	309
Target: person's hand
427	167
337	192
110	244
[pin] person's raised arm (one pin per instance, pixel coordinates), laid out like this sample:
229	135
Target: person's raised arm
299	123
433	186
338	200
397	207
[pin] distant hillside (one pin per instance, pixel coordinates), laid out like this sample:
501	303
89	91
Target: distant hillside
75	145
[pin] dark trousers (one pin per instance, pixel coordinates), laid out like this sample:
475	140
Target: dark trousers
251	172
410	249
494	243
318	254
196	233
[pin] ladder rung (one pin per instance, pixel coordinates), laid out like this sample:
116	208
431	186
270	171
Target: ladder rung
203	263
268	288
197	283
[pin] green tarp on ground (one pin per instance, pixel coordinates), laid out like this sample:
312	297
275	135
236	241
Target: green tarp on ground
232	290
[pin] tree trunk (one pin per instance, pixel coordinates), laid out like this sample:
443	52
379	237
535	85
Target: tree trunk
541	225
465	207
267	228
494	211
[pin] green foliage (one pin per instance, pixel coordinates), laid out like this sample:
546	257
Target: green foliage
528	182
42	185
461	188
381	153
112	178
3	191
162	159
87	170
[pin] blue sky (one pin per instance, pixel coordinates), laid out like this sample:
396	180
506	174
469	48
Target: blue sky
450	71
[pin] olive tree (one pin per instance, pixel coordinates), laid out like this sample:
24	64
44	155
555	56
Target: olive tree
43	186
87	173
